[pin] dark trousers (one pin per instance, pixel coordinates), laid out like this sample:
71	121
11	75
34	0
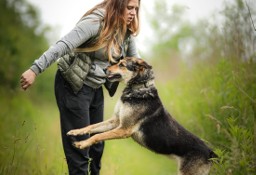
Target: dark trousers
77	111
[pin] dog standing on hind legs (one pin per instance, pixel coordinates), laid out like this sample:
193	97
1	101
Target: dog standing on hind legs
140	114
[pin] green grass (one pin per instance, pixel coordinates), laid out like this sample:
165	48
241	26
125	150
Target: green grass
30	141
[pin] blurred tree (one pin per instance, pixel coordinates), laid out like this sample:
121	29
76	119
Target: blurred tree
232	37
170	28
22	39
238	32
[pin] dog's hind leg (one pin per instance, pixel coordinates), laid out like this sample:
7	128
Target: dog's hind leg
195	166
117	133
96	128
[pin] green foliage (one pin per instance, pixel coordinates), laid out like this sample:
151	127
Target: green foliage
24	148
22	40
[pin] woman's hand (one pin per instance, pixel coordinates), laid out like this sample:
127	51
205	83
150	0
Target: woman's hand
27	79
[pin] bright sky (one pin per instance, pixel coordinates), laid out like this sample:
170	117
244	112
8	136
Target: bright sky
62	15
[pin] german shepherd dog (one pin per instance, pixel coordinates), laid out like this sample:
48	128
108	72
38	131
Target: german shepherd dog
140	114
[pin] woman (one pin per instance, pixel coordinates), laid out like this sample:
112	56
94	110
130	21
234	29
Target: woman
105	34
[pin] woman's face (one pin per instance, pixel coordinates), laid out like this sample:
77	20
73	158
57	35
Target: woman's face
131	10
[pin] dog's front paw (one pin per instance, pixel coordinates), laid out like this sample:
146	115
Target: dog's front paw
81	144
74	132
77	145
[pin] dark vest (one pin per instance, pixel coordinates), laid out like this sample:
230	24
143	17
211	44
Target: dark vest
75	66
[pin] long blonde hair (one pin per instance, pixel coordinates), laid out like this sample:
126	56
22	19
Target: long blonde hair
114	26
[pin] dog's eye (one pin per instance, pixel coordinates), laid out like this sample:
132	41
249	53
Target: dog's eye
121	65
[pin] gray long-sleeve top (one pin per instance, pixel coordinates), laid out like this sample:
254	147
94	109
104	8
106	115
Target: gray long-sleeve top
82	32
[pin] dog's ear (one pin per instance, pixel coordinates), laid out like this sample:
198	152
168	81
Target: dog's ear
143	65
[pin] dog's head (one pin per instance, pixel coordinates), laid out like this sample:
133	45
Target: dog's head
130	70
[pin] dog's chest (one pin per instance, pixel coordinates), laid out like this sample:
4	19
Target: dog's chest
127	112
123	109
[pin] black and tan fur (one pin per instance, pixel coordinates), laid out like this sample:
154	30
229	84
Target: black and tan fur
141	115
